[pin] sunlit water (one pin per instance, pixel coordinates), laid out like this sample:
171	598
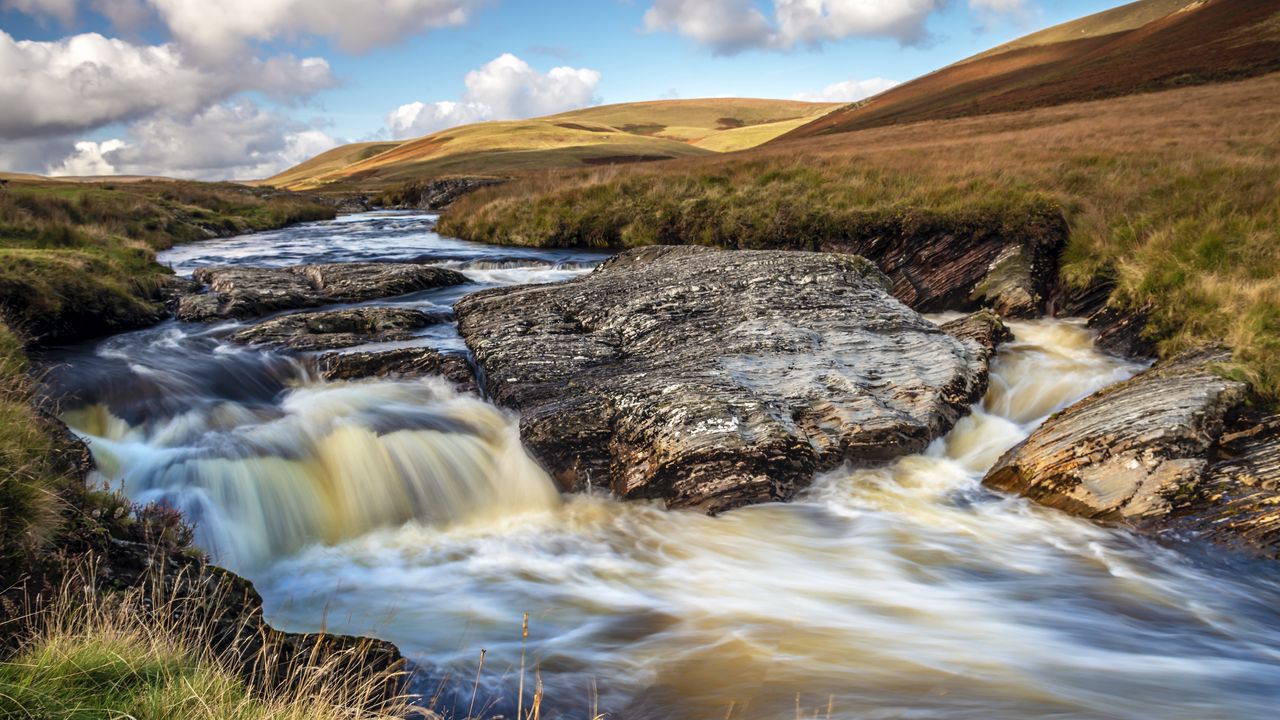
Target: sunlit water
403	510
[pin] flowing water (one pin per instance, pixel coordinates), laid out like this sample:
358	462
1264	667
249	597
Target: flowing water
402	510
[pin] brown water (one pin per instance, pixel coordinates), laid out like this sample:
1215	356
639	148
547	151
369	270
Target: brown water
403	510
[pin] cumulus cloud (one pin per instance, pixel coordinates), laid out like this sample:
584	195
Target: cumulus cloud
87	81
221	28
731	26
62	10
847	91
226	141
504	88
727	26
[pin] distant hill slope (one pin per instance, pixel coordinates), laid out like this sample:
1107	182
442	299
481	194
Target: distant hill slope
631	132
1143	46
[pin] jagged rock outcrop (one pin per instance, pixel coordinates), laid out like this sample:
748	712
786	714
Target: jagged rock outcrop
941	264
984	332
400	362
245	292
715	379
1156	452
1238	500
437	193
1119	331
335	329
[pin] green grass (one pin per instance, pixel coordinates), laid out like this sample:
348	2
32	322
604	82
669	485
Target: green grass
80	257
136	654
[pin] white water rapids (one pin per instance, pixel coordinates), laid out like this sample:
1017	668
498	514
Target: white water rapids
403	510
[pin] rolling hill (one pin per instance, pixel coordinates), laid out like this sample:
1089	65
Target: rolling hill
1144	46
611	134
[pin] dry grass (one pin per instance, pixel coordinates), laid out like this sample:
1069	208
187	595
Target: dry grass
1175	196
138	654
608	134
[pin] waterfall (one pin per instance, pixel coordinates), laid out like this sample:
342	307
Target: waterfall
332	462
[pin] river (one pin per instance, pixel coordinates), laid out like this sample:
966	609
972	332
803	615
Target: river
403	510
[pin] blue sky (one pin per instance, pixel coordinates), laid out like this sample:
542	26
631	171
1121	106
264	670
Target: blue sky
239	88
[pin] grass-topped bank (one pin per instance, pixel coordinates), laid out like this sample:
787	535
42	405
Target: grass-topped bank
1171	197
77	258
87	628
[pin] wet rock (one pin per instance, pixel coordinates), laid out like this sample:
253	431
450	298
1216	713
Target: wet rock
338	328
983	332
715	379
1238	501
1119	331
1127	452
1172	451
244	292
401	362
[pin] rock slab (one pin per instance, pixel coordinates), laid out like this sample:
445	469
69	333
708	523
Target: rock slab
1165	452
412	362
244	292
713	379
335	329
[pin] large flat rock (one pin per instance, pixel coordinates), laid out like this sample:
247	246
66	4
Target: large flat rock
714	379
411	362
237	292
333	329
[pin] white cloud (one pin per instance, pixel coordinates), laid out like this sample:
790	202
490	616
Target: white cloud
847	91
418	118
63	10
87	81
728	26
89	158
221	28
731	26
226	141
504	88
1004	6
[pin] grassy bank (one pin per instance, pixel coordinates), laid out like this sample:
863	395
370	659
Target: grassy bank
137	654
1171	196
77	260
77	257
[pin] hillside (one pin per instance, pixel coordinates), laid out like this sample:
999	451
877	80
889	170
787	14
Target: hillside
1168	199
1147	45
611	134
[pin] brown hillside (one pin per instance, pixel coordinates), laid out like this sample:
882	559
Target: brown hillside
1192	42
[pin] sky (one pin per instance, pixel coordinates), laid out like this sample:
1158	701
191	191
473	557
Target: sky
241	89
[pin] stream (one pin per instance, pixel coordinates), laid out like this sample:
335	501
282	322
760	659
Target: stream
403	510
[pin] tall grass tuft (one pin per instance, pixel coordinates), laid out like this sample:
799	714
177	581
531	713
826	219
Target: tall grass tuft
138	654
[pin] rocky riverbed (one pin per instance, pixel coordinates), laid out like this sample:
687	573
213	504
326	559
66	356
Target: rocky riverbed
332	446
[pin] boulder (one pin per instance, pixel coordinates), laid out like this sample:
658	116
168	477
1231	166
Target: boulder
401	362
245	292
713	379
1127	452
1164	452
338	328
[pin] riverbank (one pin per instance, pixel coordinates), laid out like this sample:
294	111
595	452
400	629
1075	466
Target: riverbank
106	604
